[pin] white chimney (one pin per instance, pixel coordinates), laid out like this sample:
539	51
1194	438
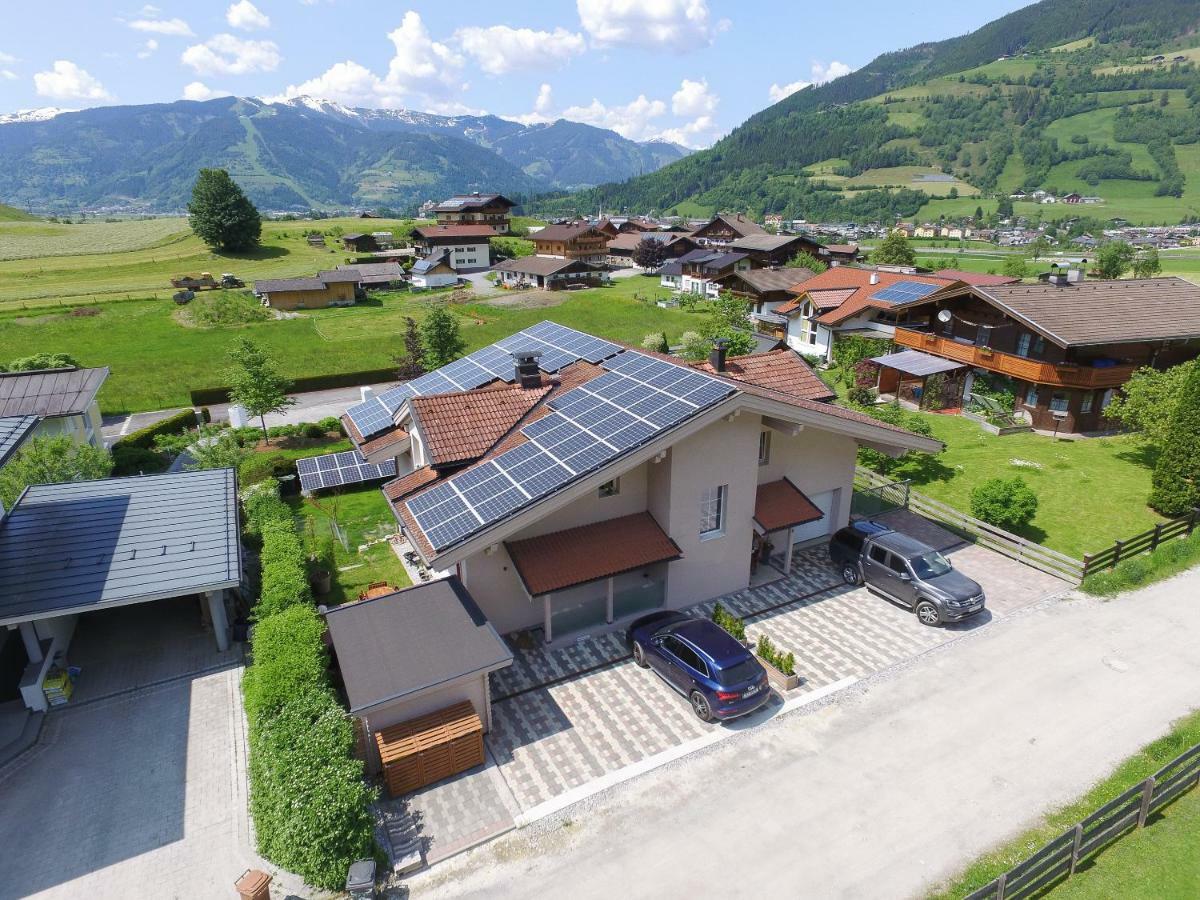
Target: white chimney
366	393
874	278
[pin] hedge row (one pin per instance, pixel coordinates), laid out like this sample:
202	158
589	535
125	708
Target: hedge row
144	437
205	396
310	804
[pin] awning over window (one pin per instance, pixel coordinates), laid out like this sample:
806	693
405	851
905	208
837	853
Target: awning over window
554	562
914	362
780	504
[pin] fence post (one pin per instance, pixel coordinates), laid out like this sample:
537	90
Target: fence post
1075	848
1192	520
1087	565
1156	537
1117	547
1147	793
1001	883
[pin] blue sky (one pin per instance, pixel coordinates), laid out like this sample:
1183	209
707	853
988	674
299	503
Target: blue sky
686	70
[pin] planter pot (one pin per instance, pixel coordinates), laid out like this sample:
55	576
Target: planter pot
322	582
777	679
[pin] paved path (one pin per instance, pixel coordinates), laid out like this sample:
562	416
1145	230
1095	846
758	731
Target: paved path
888	791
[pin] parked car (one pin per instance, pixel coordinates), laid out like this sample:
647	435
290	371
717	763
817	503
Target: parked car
719	676
906	571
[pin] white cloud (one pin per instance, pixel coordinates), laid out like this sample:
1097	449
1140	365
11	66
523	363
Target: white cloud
246	16
7	58
694	99
198	90
821	73
778	91
545	99
8	74
66	81
499	49
148	48
678	25
632	120
170	27
346	82
224	54
421	65
700	132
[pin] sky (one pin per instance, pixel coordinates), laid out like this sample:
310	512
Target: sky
682	70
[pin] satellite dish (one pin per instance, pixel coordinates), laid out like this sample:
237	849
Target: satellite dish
945	315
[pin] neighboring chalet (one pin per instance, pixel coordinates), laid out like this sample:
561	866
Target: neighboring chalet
476	209
467	246
360	243
580	241
330	288
702	270
548	273
764	290
767	250
723	230
377	276
1067	346
621	248
50	403
433	271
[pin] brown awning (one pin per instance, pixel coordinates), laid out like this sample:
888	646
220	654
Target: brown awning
563	559
780	504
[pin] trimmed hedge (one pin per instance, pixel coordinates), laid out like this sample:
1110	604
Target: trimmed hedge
289	660
144	437
205	396
262	505
284	576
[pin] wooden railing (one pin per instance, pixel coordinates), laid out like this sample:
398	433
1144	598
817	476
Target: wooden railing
1060	858
1146	542
1061	375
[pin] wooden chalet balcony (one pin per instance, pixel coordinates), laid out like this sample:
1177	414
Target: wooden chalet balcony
1060	375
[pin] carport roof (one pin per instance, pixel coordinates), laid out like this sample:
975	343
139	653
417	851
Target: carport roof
914	362
84	545
780	504
13	431
400	644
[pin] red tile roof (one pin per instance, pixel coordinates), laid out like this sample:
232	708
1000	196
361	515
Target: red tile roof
383	441
780	504
563	559
407	484
975	277
780	370
462	426
858	281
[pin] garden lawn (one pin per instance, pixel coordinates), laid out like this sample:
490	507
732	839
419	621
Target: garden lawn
364	515
156	360
1090	492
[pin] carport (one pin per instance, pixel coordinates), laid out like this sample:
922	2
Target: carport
904	374
79	547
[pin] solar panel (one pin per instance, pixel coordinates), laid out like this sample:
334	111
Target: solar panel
904	292
370	417
337	469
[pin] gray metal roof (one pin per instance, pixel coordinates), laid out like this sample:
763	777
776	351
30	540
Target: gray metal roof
13	431
914	362
397	645
49	392
86	544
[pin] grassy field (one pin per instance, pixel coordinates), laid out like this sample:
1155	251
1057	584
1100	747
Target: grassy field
364	515
155	360
104	261
910	177
12	214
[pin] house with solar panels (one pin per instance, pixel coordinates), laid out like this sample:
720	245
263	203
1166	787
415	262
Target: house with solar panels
475	209
572	483
847	300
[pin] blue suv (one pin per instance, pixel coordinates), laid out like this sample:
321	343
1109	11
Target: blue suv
720	677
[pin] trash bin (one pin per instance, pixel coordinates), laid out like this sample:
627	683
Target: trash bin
360	880
254	885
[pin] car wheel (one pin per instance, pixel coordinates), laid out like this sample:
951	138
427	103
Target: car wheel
928	613
850	574
639	655
700	706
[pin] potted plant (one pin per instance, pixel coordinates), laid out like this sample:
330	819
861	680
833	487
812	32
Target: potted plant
985	351
731	623
780	666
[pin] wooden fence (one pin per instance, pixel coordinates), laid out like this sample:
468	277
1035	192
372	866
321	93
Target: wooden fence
1061	857
1142	543
976	530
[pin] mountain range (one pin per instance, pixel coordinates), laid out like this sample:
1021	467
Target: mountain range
1094	96
298	154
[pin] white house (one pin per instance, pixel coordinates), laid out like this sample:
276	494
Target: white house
64	400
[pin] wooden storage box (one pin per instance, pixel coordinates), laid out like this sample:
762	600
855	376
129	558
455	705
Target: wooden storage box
429	748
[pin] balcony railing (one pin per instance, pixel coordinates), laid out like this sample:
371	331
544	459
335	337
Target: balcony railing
1023	368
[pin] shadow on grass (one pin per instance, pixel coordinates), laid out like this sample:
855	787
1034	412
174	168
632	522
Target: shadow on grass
921	469
1144	455
263	251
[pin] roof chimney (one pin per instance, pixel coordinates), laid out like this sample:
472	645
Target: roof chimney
716	357
874	279
526	366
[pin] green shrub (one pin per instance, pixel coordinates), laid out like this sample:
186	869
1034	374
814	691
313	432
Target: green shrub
332	423
261	466
861	396
289	659
137	460
1176	482
144	437
313	430
262	505
1004	502
768	652
284	576
284	431
727	620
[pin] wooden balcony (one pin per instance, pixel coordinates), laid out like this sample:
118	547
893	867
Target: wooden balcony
1020	367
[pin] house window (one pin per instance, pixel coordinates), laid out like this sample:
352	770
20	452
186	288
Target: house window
1058	402
1023	344
610	488
1085	405
983	337
1031	396
1039	345
712	511
1106	399
764	447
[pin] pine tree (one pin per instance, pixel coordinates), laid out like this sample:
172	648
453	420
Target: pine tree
221	215
1176	483
410	364
255	384
440	338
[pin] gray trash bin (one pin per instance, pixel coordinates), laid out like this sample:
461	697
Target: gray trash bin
360	880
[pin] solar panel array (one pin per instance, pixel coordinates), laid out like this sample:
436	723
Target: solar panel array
336	469
904	292
559	347
589	426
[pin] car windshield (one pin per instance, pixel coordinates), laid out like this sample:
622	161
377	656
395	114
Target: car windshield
746	670
930	565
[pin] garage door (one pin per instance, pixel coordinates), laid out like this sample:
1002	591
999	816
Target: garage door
823	525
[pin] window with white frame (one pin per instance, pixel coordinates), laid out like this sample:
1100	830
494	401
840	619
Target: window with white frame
764	447
712	511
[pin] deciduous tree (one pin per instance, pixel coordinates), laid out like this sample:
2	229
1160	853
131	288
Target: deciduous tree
255	384
50	460
1176	483
805	260
1147	264
649	253
894	250
1113	260
440	338
221	215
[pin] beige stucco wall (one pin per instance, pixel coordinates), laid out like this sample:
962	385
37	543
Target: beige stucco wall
816	461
